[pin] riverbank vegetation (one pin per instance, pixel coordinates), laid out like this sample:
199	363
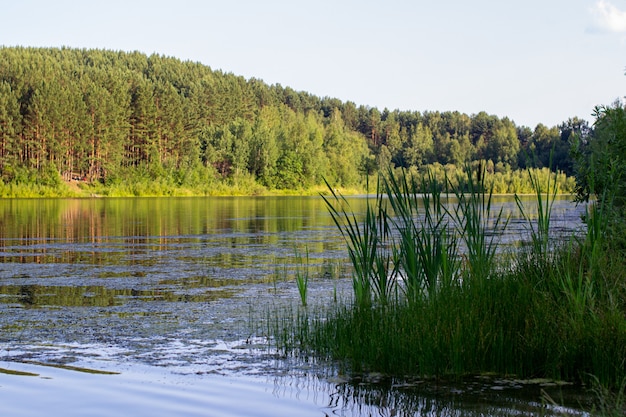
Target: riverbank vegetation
436	295
34	186
78	122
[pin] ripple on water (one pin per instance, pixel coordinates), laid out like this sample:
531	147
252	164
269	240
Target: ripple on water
166	302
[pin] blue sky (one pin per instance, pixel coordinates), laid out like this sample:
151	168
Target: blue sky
534	61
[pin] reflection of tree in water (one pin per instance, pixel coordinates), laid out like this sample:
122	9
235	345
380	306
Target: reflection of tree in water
27	295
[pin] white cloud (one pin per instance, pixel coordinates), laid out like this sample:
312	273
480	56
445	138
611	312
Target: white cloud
608	18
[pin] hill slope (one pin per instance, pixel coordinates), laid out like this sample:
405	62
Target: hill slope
109	116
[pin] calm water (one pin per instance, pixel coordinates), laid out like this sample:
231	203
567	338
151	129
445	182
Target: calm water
143	307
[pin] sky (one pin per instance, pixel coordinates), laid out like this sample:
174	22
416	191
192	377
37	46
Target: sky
533	61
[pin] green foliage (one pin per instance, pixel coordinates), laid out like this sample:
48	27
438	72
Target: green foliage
560	316
498	178
97	115
411	235
363	241
601	159
609	403
302	277
425	253
539	229
478	226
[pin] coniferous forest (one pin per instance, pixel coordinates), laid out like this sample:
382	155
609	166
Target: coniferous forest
117	120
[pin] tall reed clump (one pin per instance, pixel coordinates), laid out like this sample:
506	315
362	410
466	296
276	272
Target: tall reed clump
539	226
430	297
609	402
415	252
424	247
365	238
477	223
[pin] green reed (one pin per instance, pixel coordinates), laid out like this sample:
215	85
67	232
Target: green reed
411	235
540	227
426	251
371	277
608	403
479	226
302	276
430	299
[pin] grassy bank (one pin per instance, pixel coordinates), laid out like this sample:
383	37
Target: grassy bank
155	189
138	183
435	296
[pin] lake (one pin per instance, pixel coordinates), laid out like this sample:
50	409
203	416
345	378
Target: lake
155	307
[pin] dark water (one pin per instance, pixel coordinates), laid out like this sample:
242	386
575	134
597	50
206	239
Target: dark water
166	293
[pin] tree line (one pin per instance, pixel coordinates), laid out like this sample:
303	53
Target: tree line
110	116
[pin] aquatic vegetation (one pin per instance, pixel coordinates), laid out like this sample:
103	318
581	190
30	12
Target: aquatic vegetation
433	296
478	226
540	227
425	253
302	276
609	403
363	241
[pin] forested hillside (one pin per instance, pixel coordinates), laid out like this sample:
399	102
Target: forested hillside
111	117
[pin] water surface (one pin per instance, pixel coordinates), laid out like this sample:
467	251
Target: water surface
167	296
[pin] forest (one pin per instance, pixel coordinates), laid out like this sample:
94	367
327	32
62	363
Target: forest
115	118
